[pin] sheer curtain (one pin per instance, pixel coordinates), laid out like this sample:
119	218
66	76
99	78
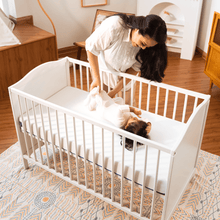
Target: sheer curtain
4	6
7	37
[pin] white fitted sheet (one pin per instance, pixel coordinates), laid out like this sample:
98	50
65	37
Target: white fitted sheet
72	98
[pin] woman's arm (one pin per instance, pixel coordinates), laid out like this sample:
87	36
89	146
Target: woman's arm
119	86
93	61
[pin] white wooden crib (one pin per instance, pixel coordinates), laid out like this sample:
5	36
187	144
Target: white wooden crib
55	128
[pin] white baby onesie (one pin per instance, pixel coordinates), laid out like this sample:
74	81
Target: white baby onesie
111	109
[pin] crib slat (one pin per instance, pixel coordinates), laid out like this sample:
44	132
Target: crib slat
143	183
184	108
81	76
175	105
52	139
148	97
74	74
124	85
103	164
166	102
76	150
108	82
37	130
24	126
101	78
140	95
133	175
195	103
44	136
157	100
87	78
84	149
68	147
155	186
113	169
93	155
122	170
59	142
132	92
31	130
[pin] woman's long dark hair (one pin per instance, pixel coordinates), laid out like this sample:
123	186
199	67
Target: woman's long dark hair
153	59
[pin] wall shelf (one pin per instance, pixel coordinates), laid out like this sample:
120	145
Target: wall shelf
178	34
176	22
175	45
183	15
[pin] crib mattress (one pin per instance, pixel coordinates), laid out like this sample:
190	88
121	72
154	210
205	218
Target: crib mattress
164	131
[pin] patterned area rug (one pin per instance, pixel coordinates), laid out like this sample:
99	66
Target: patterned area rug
37	194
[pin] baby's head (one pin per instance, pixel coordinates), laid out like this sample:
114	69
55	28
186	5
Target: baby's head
136	126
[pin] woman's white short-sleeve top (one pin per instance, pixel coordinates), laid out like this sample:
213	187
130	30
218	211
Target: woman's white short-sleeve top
113	39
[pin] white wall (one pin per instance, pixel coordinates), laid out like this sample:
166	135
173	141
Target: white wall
209	6
22	8
72	22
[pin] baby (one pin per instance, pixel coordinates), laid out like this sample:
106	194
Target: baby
115	111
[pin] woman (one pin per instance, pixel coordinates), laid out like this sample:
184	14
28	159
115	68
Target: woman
131	44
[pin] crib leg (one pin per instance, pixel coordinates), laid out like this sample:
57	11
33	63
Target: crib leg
23	149
25	163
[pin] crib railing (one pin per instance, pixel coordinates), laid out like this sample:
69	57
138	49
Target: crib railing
33	142
165	100
34	132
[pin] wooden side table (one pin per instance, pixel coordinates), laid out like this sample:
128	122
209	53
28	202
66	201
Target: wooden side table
37	46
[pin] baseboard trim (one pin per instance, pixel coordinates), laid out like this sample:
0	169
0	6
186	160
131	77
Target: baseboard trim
204	54
67	51
22	20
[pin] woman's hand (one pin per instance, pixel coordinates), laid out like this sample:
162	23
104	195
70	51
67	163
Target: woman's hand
95	83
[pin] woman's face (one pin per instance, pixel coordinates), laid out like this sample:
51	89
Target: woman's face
141	41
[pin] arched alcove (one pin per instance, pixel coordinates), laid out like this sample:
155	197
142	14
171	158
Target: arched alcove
174	18
160	8
182	20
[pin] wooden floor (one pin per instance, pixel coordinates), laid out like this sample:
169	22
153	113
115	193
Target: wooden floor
181	73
